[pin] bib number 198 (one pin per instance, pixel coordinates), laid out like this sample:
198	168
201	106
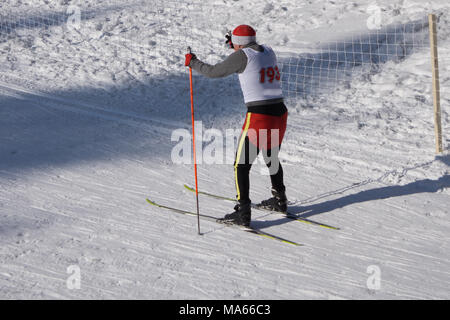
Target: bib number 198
271	73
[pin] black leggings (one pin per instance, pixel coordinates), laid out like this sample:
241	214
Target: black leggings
245	156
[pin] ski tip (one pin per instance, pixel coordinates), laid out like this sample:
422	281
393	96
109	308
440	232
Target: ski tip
283	240
322	225
294	243
189	188
311	222
150	201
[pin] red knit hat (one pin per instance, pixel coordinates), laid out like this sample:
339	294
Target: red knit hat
243	35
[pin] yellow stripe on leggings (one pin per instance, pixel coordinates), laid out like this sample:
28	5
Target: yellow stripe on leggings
238	156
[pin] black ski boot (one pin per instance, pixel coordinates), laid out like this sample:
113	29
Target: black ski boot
241	215
277	203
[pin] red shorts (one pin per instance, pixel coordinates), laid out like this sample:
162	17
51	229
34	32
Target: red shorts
265	131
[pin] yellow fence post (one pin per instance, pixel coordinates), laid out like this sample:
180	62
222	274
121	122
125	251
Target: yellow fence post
436	89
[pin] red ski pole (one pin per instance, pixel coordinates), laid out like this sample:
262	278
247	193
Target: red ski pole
193	144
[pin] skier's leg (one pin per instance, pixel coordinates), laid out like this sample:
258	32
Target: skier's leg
245	155
275	169
279	201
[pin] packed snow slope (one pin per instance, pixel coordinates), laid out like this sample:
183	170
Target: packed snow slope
86	121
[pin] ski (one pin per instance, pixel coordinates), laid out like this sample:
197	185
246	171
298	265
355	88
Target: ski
289	215
214	219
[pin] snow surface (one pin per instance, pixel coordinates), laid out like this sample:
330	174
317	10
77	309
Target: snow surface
86	119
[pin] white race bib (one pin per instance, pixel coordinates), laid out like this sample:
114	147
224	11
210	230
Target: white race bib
261	78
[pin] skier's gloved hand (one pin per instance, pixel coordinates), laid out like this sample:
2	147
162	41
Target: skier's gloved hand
228	43
188	58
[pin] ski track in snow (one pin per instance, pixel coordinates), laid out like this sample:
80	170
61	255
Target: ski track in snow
74	175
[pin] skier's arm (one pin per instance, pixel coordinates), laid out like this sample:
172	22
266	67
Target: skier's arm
235	63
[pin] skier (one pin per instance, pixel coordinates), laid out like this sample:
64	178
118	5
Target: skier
265	121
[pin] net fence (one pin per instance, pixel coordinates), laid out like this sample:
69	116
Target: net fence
336	64
110	43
